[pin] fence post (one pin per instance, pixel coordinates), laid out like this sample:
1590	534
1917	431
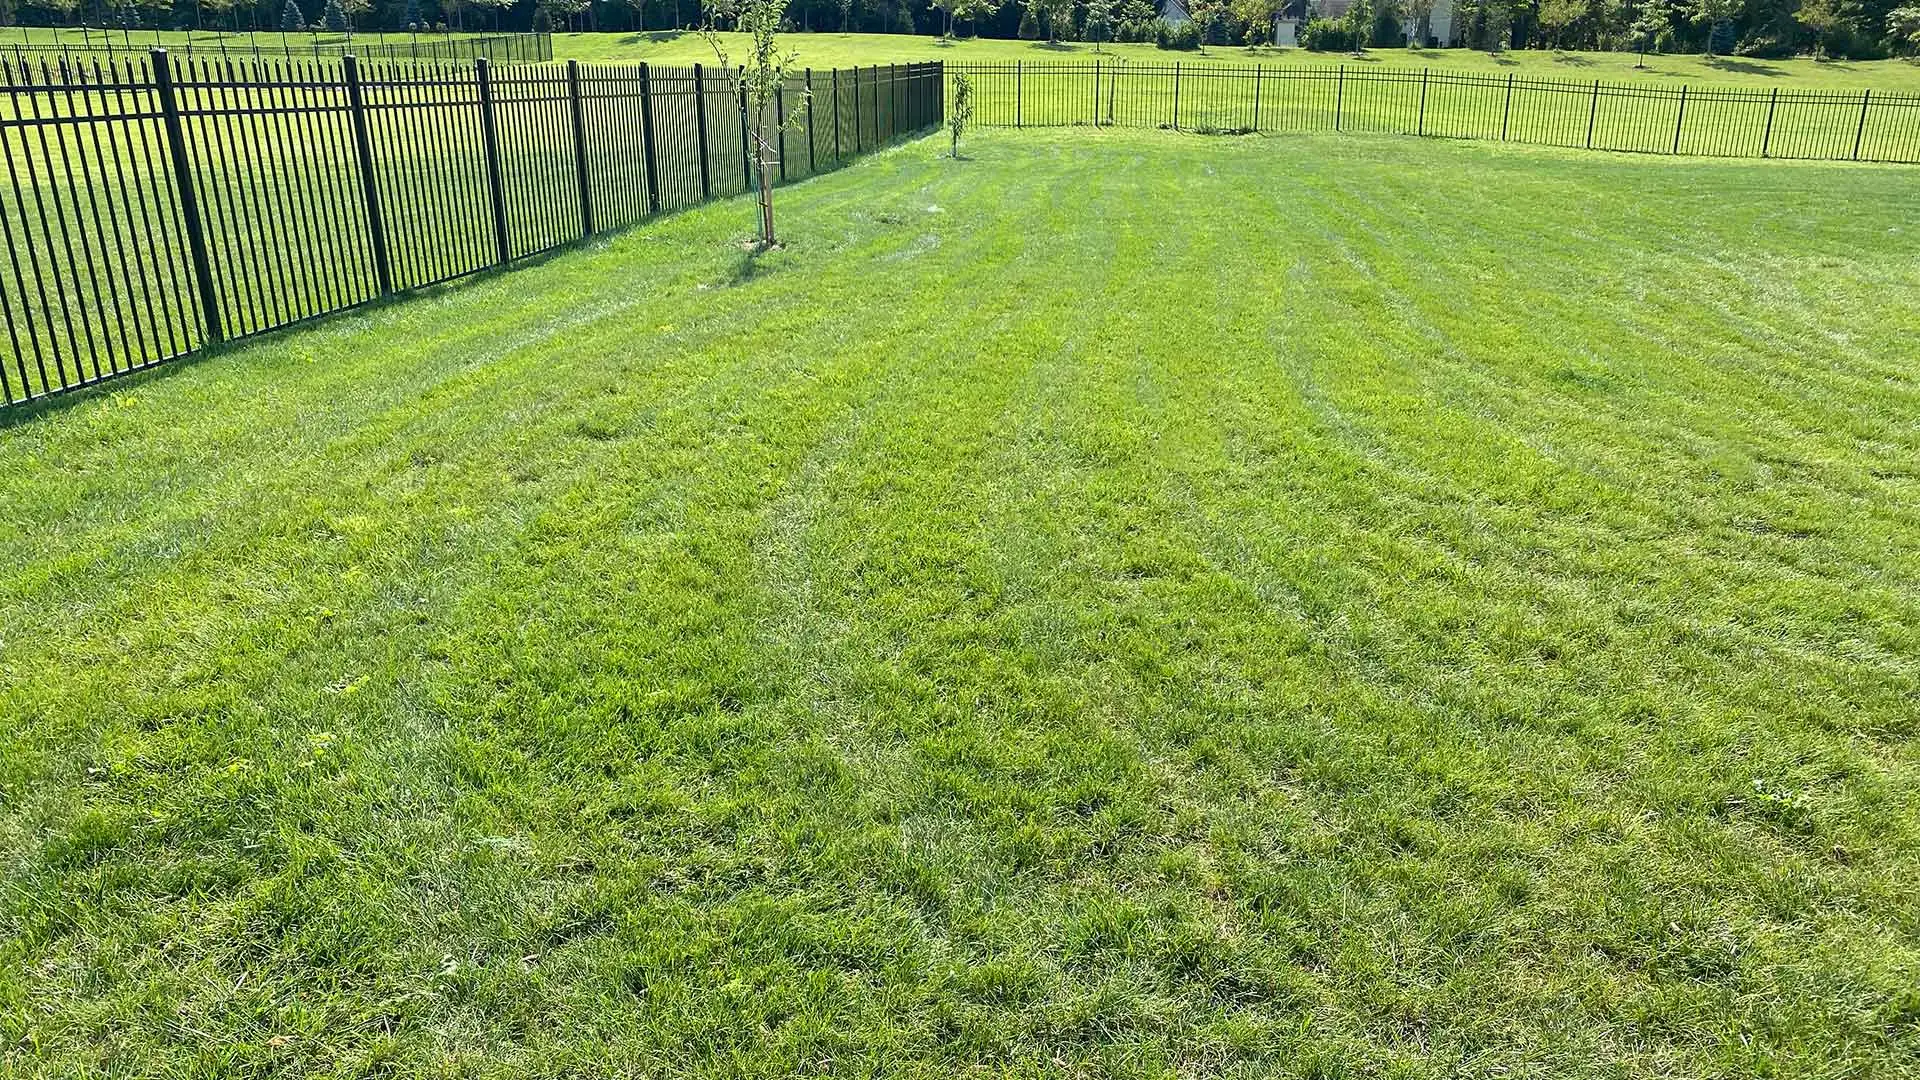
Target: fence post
700	122
580	148
646	134
1256	97
780	121
495	187
1861	131
1339	95
836	115
189	201
1016	93
1766	140
1592	112
369	185
1113	78
856	110
1422	128
1507	113
1176	95
811	167
1681	118
746	140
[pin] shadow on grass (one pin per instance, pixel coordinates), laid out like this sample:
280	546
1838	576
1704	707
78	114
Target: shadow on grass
653	37
1744	67
26	412
12	416
1572	60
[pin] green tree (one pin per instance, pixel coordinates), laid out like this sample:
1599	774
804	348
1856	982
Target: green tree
1208	17
1257	17
559	12
1418	18
961	114
1903	23
1358	22
1099	24
1059	18
1030	20
757	83
1712	15
291	19
971	11
1555	16
1825	19
335	17
1497	24
1654	20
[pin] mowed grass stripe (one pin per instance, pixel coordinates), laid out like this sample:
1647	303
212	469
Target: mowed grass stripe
1089	608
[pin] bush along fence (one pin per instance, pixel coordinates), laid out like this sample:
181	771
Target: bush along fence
428	48
1865	125
154	207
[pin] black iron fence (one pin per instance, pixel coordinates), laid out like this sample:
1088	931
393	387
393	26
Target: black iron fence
154	206
108	45
1852	125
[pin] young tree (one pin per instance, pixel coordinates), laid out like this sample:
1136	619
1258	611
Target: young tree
961	114
1418	18
1556	15
1257	16
757	83
1099	24
1712	14
1655	19
1207	16
291	20
1059	18
1358	22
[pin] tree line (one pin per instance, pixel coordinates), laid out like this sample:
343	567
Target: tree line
1858	29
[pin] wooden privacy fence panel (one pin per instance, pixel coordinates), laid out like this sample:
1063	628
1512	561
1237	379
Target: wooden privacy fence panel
1827	125
156	205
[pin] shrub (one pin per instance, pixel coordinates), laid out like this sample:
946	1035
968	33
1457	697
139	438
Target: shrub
1325	35
1184	36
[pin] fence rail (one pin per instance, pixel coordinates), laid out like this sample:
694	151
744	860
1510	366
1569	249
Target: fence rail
412	48
154	206
1866	125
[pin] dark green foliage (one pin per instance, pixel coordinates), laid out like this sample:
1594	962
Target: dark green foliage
1180	35
291	18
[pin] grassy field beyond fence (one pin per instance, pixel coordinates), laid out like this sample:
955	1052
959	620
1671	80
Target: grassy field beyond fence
1682	119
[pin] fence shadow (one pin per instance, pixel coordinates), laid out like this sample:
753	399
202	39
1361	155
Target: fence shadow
217	209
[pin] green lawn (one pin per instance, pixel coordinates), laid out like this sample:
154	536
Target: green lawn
846	50
1119	604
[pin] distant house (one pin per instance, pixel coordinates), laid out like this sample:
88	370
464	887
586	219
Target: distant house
1286	26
